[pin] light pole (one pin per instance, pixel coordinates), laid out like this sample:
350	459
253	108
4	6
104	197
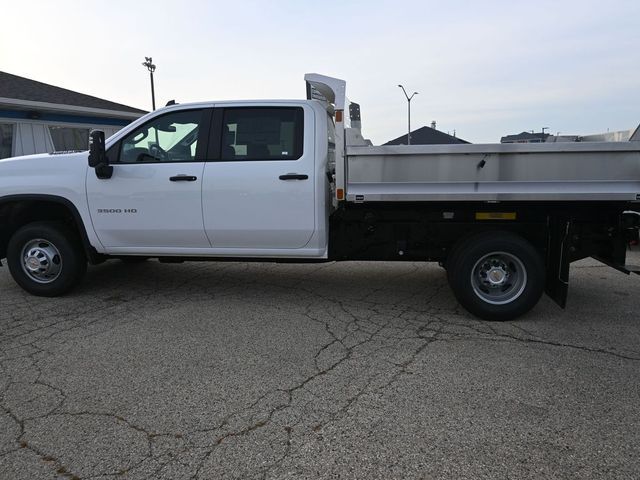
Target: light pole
408	113
152	68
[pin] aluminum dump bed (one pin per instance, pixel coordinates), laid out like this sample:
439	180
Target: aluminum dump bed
606	171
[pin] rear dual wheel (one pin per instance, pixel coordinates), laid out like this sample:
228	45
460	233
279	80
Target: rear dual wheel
496	276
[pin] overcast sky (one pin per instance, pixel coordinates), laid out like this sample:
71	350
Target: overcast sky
484	69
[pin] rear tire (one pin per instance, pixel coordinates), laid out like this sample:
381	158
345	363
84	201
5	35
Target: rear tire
496	276
46	258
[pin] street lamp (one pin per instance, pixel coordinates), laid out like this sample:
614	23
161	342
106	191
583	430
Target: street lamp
152	68
408	113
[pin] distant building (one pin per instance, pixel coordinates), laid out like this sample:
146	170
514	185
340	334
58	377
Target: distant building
632	134
36	117
525	137
427	136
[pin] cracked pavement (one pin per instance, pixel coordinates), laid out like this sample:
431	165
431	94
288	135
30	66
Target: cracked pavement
339	370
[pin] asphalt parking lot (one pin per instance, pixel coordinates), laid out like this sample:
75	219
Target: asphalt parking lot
351	370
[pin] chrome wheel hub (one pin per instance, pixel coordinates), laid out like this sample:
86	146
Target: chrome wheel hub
499	278
41	260
496	276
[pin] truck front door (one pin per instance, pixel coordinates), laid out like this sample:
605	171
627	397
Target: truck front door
258	191
153	200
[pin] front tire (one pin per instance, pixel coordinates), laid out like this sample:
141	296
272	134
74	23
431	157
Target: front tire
46	258
496	276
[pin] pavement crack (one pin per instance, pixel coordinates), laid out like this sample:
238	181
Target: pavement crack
536	341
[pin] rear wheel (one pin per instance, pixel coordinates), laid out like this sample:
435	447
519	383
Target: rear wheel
496	275
46	258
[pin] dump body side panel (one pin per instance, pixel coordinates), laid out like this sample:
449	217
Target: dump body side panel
510	172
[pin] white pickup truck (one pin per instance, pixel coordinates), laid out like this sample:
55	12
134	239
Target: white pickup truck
293	180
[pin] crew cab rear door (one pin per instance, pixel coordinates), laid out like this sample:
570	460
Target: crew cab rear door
258	192
152	203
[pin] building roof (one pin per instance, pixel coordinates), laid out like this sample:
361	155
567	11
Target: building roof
524	137
426	136
20	88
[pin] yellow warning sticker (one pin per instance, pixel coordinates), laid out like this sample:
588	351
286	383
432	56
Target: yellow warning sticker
495	215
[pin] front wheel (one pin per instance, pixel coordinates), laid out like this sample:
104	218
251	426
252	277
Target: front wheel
496	275
46	258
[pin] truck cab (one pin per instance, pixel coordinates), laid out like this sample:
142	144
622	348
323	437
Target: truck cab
235	178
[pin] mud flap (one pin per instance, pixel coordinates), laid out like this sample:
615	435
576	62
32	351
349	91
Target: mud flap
558	260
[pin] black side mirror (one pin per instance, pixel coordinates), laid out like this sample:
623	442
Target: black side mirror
97	153
98	156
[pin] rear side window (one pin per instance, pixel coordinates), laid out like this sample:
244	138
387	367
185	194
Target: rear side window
270	133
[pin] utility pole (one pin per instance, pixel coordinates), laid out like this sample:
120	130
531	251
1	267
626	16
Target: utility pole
408	113
152	68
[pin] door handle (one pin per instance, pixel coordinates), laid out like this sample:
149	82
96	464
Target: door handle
183	178
293	176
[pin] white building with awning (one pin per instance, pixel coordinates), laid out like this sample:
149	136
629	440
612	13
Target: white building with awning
36	117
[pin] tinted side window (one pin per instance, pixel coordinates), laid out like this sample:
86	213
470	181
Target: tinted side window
168	138
269	133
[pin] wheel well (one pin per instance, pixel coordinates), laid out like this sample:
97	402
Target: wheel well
17	213
536	239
